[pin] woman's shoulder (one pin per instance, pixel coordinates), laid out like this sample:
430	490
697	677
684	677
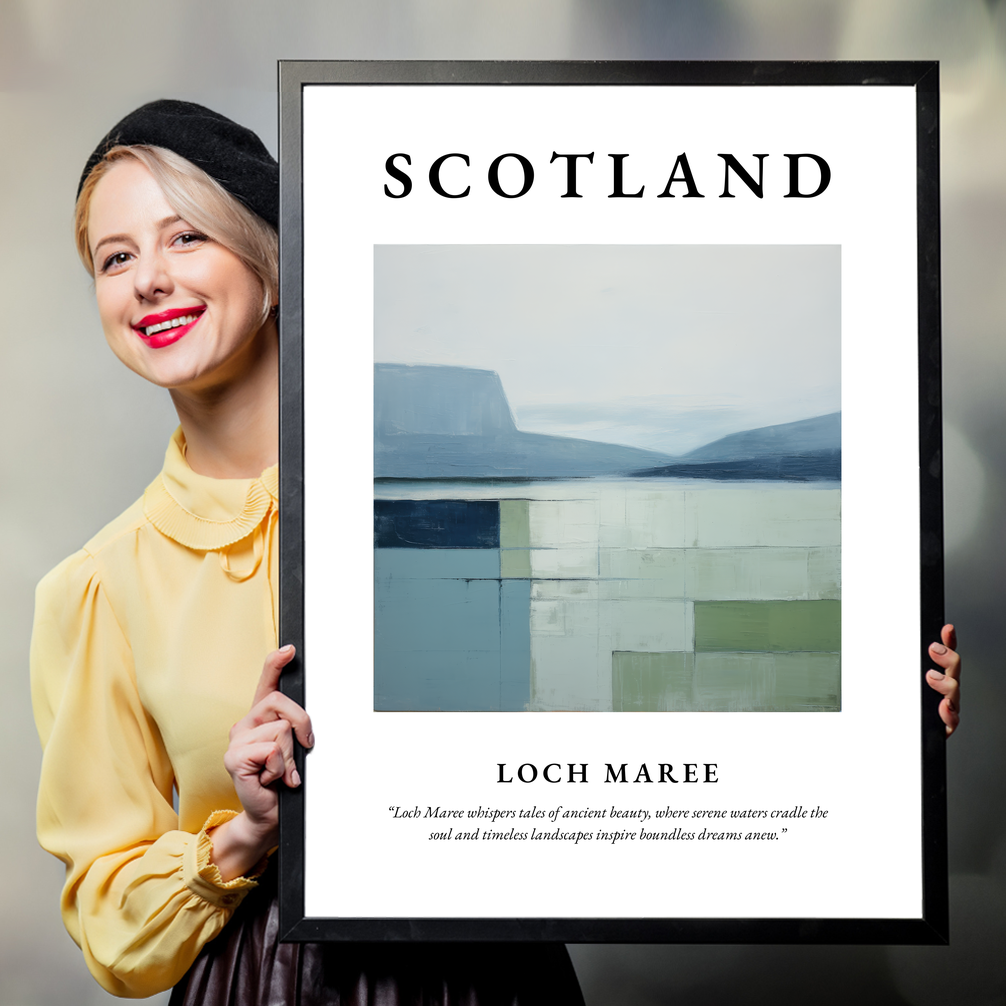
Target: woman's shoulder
71	605
127	524
115	535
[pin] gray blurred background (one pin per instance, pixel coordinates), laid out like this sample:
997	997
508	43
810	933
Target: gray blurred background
83	436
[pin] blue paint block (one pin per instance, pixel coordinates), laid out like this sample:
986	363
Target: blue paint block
437	615
436	644
439	681
436	524
436	564
515	644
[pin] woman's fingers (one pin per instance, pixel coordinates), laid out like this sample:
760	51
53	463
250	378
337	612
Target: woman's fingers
277	706
276	734
949	636
270	703
274	766
947	681
271	671
949	709
945	655
261	749
259	761
950	716
949	688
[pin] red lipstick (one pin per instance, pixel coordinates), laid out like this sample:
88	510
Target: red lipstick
166	327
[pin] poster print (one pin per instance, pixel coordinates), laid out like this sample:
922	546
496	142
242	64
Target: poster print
563	526
603	522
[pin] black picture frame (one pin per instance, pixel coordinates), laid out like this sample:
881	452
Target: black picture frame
931	925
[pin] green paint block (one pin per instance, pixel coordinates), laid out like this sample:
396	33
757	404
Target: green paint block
725	682
666	564
824	571
770	573
515	540
566	673
808	681
767	626
563	563
563	523
515	526
651	682
767	682
645	625
722	518
515	564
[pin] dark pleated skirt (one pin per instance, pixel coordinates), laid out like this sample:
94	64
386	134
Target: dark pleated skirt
246	965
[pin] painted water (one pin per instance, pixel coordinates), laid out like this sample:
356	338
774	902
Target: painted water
607	594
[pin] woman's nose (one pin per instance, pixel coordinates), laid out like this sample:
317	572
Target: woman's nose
152	277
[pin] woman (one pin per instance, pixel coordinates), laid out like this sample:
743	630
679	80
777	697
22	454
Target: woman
149	642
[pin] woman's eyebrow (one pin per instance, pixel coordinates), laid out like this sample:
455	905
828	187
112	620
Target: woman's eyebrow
109	240
160	225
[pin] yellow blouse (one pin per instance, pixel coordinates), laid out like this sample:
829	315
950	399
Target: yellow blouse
147	647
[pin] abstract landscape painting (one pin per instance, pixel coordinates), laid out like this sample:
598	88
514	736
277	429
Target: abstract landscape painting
607	478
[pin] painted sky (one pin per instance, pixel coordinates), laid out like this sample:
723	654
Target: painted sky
666	347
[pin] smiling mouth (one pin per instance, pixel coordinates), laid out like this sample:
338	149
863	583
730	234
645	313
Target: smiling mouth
166	324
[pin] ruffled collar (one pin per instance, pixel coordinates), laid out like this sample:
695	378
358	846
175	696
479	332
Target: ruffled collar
203	513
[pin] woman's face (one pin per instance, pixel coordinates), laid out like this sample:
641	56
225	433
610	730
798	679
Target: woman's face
177	308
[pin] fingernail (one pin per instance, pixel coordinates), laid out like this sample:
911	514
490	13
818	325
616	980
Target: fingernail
295	777
287	649
936	675
938	648
310	740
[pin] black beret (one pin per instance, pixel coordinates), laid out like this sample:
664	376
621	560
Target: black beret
231	154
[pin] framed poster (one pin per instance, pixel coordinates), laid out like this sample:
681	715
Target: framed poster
611	499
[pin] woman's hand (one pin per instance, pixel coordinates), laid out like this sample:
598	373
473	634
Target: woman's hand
260	754
947	682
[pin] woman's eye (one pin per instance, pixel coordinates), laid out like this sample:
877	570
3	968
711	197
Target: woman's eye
190	238
114	261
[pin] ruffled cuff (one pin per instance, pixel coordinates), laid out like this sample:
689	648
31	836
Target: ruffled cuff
203	878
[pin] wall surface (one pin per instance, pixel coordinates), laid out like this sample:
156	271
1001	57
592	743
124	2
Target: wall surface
84	436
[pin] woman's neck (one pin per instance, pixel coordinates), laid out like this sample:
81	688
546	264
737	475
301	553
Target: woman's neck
231	427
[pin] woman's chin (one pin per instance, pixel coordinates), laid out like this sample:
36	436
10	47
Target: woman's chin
172	374
197	365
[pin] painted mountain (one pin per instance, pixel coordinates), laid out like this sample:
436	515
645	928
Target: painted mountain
444	422
433	422
806	451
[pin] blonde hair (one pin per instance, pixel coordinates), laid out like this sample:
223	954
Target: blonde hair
199	200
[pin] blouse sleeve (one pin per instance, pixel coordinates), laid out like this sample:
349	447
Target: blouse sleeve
141	898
